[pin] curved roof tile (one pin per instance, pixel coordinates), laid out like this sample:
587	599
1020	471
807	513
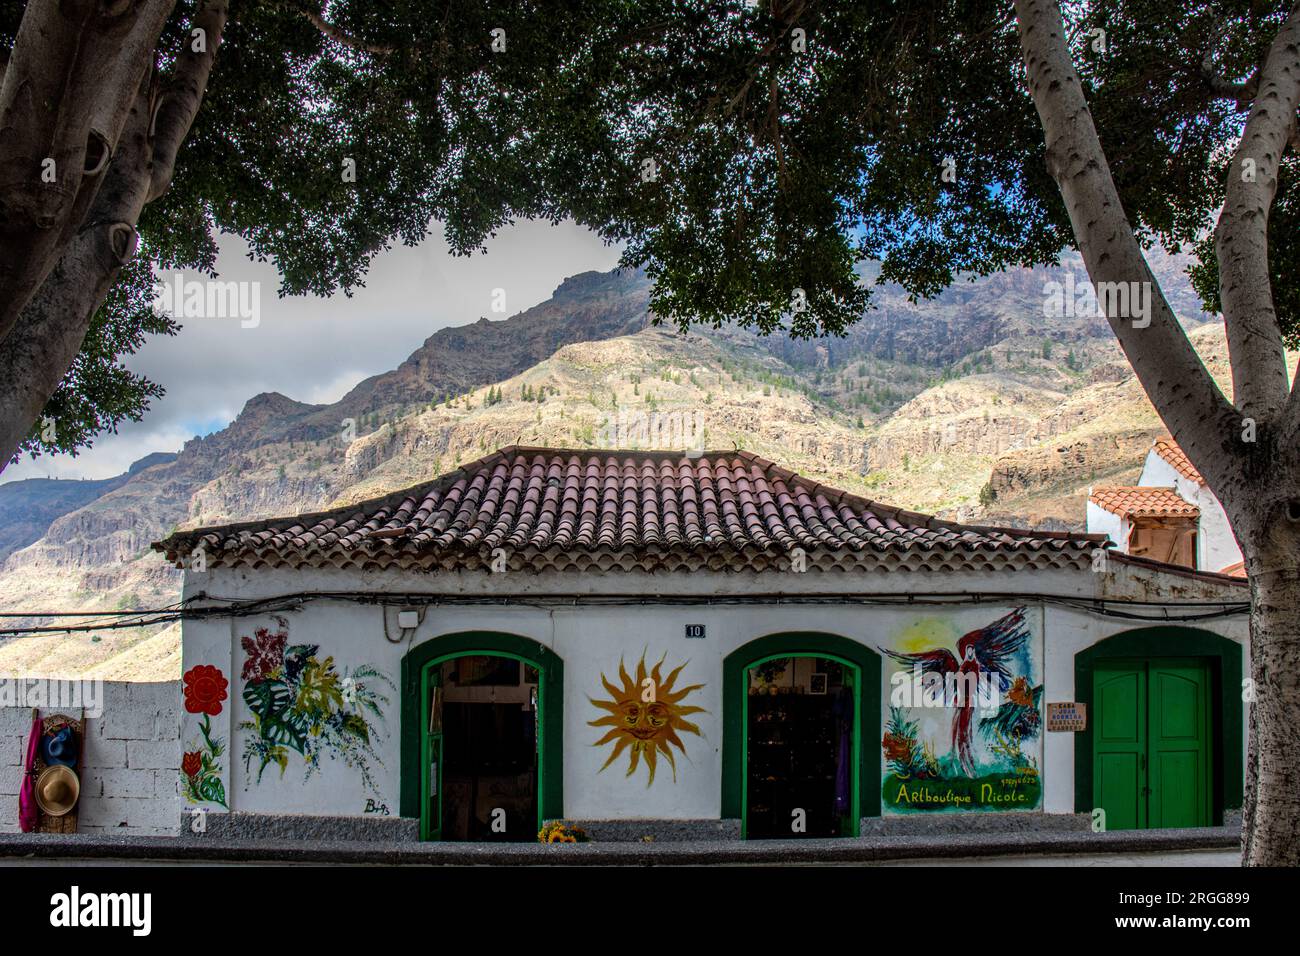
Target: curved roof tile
590	509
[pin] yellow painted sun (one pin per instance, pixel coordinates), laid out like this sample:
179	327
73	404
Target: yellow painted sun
645	717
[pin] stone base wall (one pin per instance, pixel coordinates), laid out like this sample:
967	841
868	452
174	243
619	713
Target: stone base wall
287	826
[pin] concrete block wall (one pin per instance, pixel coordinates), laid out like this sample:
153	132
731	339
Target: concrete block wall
130	778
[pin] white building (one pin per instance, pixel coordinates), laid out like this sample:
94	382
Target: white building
1170	515
694	643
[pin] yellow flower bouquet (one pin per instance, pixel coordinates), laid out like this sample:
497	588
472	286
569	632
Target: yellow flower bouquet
561	831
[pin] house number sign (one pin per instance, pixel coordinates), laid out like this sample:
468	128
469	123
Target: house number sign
695	630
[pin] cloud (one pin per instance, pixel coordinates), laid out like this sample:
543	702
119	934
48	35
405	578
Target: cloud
315	349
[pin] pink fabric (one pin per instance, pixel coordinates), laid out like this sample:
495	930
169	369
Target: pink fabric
28	813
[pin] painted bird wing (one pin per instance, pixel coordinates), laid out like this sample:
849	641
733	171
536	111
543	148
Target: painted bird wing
938	661
997	643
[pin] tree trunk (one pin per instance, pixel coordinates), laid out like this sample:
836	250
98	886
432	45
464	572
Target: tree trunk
1257	479
66	94
52	327
49	331
1271	830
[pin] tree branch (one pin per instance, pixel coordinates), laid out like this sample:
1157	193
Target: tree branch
1171	372
1243	94
1240	93
335	33
1259	372
184	95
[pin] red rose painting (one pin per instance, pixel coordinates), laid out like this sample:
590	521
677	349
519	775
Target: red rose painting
205	689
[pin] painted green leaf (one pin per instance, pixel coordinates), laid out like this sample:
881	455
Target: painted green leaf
356	725
289	729
267	698
211	789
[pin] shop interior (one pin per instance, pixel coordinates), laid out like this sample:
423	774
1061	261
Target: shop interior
489	723
799	743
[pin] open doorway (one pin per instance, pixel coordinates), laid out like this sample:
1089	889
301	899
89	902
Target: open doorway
800	748
483	749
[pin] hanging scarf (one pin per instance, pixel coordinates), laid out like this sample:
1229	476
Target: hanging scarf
29	813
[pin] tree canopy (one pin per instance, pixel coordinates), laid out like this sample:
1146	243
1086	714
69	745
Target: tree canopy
751	157
741	152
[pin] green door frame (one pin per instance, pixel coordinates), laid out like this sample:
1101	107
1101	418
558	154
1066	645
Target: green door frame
1224	660
416	665
866	709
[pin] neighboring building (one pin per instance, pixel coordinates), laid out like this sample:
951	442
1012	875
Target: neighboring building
1170	515
675	644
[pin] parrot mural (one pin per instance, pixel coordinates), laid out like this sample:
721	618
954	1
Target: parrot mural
984	654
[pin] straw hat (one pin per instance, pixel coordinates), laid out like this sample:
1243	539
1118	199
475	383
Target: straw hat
57	790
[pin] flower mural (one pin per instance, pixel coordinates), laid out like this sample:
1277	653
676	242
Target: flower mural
301	703
204	689
645	716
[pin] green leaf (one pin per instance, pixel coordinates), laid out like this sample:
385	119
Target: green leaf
268	699
289	729
356	725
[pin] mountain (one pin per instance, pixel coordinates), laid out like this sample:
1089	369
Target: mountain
976	405
29	507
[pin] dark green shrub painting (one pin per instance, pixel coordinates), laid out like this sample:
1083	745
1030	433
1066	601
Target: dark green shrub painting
302	704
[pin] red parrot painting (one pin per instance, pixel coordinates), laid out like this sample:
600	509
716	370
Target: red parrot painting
985	654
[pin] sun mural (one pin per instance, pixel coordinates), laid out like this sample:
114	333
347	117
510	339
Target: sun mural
645	716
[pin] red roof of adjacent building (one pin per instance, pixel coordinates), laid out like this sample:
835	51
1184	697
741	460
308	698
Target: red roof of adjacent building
1168	449
1236	570
566	509
1131	501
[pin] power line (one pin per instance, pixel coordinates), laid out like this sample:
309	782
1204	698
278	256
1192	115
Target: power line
1156	612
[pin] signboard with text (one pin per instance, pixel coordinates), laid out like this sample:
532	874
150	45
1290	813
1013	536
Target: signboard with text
1067	716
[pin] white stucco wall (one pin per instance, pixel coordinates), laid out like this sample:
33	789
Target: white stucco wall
1101	521
593	639
1216	546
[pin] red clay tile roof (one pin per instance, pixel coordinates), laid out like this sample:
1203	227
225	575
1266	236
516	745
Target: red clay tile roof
1236	570
1141	502
562	509
1168	449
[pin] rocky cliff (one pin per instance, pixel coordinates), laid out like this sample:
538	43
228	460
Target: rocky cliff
976	405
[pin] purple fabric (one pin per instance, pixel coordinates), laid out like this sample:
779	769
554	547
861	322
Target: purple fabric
28	812
842	708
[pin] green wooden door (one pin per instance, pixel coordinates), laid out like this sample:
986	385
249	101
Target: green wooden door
1151	751
1179	743
1120	745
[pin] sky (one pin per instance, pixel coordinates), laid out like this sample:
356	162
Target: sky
315	349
